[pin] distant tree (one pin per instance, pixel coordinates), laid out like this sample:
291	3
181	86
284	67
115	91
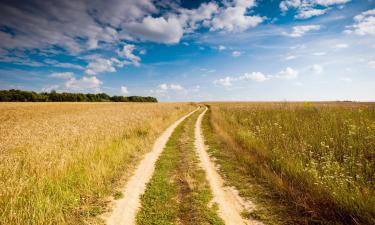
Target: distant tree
13	95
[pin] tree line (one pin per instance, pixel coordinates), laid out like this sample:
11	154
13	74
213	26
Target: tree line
13	95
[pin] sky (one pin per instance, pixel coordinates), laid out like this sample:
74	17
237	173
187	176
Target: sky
181	50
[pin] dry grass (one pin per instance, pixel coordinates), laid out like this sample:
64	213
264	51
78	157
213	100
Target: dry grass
320	156
58	161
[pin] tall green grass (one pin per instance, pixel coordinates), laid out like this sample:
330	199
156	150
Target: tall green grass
323	155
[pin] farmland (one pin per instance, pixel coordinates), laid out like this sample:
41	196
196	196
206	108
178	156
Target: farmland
301	162
61	161
267	163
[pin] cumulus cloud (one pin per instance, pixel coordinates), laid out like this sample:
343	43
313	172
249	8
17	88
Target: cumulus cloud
306	13
170	28
70	25
309	8
124	90
159	29
83	84
100	65
289	57
340	46
319	53
299	31
229	80
221	47
236	53
62	75
317	69
255	76
226	81
63	65
82	25
330	2
193	18
287	4
162	88
288	73
364	24
97	64
234	18
127	53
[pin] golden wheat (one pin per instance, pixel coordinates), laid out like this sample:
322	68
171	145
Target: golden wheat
60	160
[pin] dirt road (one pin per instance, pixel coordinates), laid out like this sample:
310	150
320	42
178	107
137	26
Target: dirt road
230	203
126	208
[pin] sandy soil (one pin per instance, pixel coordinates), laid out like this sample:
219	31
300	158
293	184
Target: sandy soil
125	209
230	203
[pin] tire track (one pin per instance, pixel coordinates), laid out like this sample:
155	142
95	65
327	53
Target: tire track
125	209
230	203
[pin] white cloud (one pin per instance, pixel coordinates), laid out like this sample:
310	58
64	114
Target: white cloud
100	65
168	31
227	81
63	75
192	18
310	12
124	90
162	88
85	25
127	53
319	53
309	8
299	31
221	47
330	2
317	69
254	76
236	53
364	24
340	46
233	18
176	87
84	83
63	65
288	73
371	64
287	4
289	57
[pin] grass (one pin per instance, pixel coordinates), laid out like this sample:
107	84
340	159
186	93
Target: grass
178	192
309	163
60	162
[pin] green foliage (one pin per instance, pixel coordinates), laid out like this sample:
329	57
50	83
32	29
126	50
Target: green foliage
13	95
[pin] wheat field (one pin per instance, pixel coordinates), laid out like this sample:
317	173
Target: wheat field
61	161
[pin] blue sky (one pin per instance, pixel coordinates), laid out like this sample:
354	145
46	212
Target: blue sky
254	50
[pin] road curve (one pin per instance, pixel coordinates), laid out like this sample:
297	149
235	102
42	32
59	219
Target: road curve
126	208
230	203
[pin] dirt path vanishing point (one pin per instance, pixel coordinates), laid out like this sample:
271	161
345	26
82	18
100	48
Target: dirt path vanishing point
126	208
230	203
